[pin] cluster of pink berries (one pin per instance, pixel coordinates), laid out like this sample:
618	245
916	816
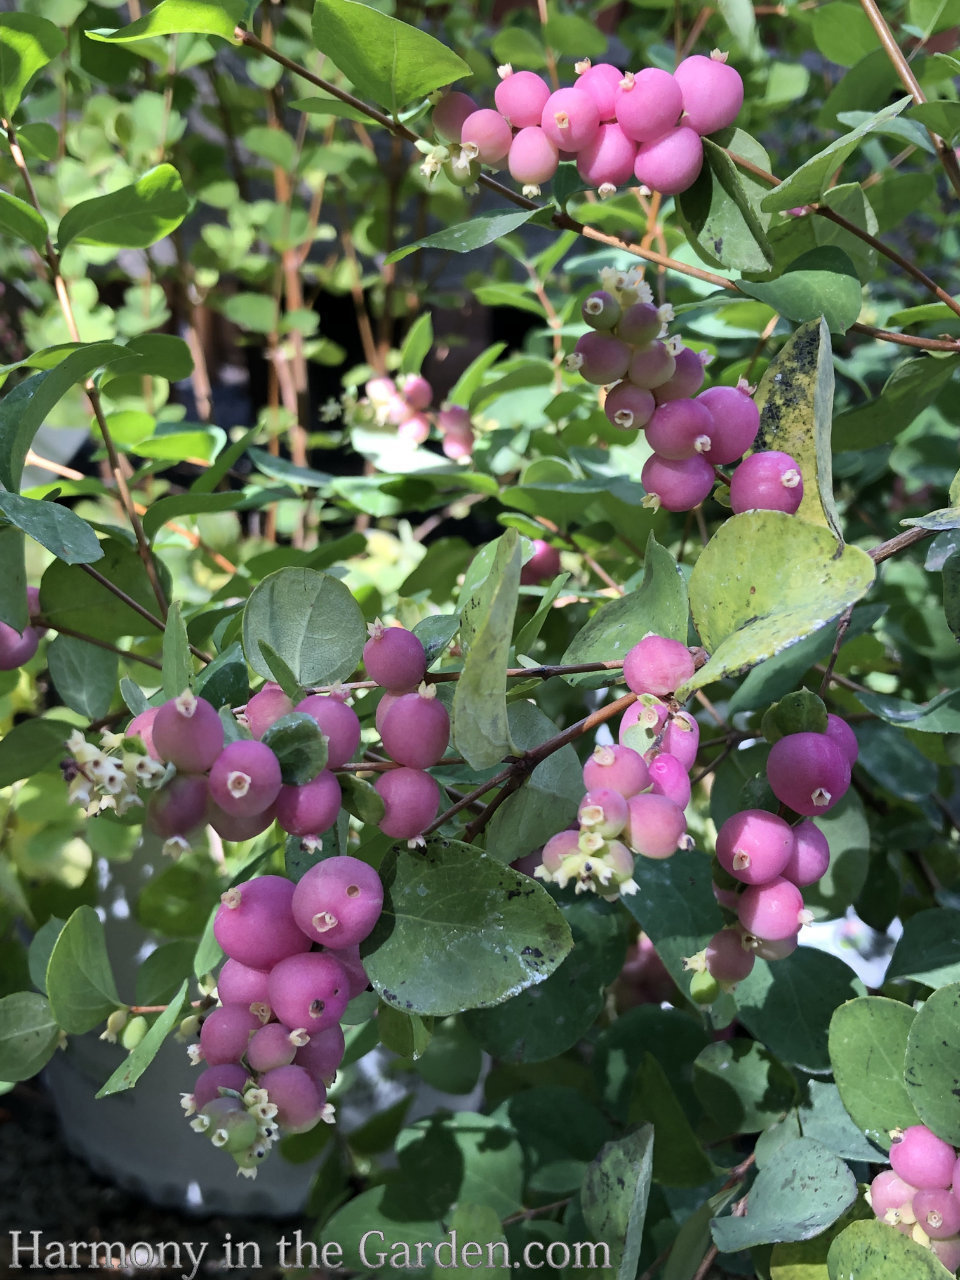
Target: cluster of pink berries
273	1045
769	860
644	126
17	647
405	406
920	1193
637	790
656	384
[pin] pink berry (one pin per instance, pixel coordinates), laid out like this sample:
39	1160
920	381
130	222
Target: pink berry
449	115
245	778
489	133
685	382
179	807
657	664
680	429
670	164
771	911
416	729
265	708
766	481
543	565
417	391
642	722
188	732
680	484
226	1032
298	1098
808	772
17	648
681	738
607	162
923	1159
655	825
35	611
810	857
533	158
766	949
712	93
648	104
338	901
618	768
394	409
937	1211
322	1054
601	83
209	1082
270	1047
414	429
453	417
338	722
670	778
394	657
239	826
562	845
840	732
312	808
601	358
411	798
381	391
628	406
948	1251
728	960
651	365
736	421
254	923
755	846
386	702
308	991
457	443
640	324
570	119
142	726
889	1194
521	97
349	957
239	984
603	810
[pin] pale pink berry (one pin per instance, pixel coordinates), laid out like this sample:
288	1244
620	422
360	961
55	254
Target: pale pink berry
226	1032
728	960
889	1194
601	310
245	778
179	807
677	484
381	391
603	810
808	772
411	798
254	923
767	949
270	1047
543	565
265	708
607	161
454	417
489	133
309	809
937	1210
601	82
655	825
648	103
628	406
767	481
239	984
338	901
208	1083
601	358
308	991
416	729
322	1054
771	911
640	324
642	722
948	1251
669	778
810	857
239	826
296	1095
754	846
671	163
521	97
712	93
681	738
142	726
414	429
618	768
188	732
448	117
457	442
651	365
533	157
417	391
686	381
337	722
563	845
570	119
840	732
736	421
394	657
923	1159
680	429
658	665
394	410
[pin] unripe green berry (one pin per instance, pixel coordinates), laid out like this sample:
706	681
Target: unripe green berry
704	988
133	1032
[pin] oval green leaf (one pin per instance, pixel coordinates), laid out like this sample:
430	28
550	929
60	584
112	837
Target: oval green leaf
310	620
932	1063
179	17
132	217
868	1046
80	982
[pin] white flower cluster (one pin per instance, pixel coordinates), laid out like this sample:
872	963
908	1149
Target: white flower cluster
109	776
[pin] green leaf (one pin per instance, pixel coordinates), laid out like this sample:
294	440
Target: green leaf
460	931
932	1064
361	799
406	1034
159	355
281	673
137	1061
824	1118
327	106
614	1197
659	604
85	675
940	116
873	1250
80	981
57	528
821	282
843	33
464	237
742	1086
912	387
676	907
179	17
300	746
674	1038
763	581
20	219
795	399
481	730
28	1035
693	1239
385	59
187	504
310	620
14	608
723	227
678	1156
70	597
30	746
27	43
416	344
797	1194
132	217
177	662
929	949
807	184
868	1045
477	1231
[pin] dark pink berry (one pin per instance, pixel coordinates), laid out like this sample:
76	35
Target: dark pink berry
658	665
686	381
449	115
600	358
265	708
349	957
337	722
239	984
736	421
209	1082
308	991
254	923
648	104
298	1098
601	82
628	406
655	825
394	657
771	911
17	648
607	162
570	119
543	565
669	778
712	93
270	1047
755	846
487	132
810	857
338	901
619	768
142	726
322	1054
840	732
310	809
677	484
188	732
766	481
640	324
226	1032
411	798
728	960
651	365
520	97
671	163
245	778
179	807
416	729
923	1159
680	429
937	1210
239	826
808	772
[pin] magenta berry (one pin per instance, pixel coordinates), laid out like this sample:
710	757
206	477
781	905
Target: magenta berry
736	421
308	991
239	984
628	406
142	726
188	732
411	798
238	826
208	1083
889	1194
712	93
728	960
755	846
651	365
601	310
245	778
449	115
657	664
771	911
923	1159
641	324
570	119
600	358
671	163
808	772
533	157
681	738
765	949
766	481
322	1054
310	809
603	810
254	923
617	768
648	104
810	857
394	657
680	429
296	1095
416	729
601	83
265	708
337	722
686	381
486	135
349	957
272	1046
607	161
839	731
937	1210
226	1032
17	648
543	565
948	1251
669	777
655	825
338	901
677	484
520	97
179	807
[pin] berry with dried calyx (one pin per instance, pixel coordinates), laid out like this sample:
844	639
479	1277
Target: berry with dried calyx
808	772
411	798
736	421
766	481
570	119
188	733
486	136
521	96
712	92
648	103
680	429
245	778
755	846
254	923
415	730
394	657
266	706
670	163
628	406
338	901
657	665
308	991
676	484
311	808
